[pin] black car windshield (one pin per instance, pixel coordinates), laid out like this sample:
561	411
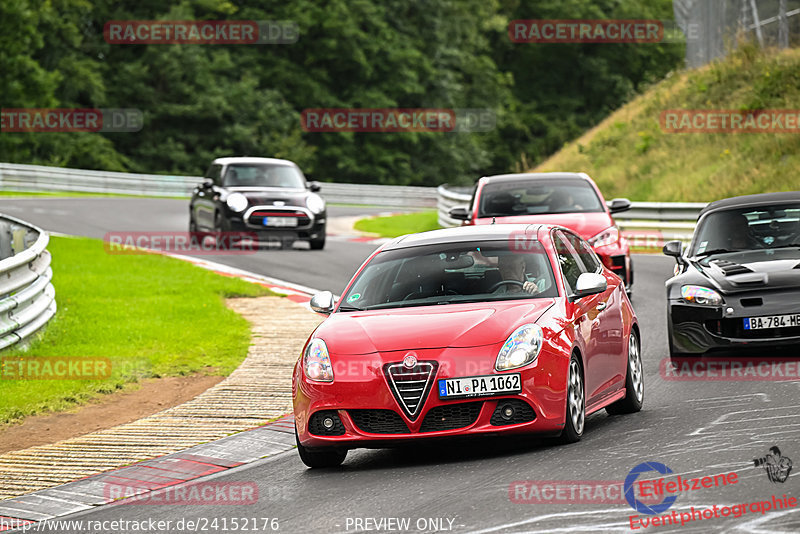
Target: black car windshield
742	229
451	273
536	197
263	175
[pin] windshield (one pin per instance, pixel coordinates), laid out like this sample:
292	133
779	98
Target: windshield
538	197
451	273
742	229
283	176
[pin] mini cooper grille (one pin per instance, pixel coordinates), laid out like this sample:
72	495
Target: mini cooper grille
257	217
451	416
379	421
410	385
316	426
523	413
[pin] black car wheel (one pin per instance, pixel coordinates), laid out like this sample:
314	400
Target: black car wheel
323	458
576	405
634	381
317	244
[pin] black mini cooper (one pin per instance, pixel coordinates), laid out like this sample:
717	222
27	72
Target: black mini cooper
265	196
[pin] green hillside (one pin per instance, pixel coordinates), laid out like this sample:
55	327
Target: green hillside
629	155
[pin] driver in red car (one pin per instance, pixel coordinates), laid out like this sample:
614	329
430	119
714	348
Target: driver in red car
512	267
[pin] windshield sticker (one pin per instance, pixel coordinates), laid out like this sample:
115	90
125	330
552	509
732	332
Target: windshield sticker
354	297
702	247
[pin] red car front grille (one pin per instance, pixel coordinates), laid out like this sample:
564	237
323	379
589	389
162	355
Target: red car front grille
411	385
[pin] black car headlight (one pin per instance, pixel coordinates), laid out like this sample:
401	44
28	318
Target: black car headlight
701	295
315	203
237	202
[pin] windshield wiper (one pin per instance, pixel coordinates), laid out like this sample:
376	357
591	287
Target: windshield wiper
714	251
785	246
350	308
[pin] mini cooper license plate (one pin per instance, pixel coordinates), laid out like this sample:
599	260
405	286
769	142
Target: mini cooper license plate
479	386
280	221
772	321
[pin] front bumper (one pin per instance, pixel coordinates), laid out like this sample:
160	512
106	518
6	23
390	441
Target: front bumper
695	329
370	416
314	228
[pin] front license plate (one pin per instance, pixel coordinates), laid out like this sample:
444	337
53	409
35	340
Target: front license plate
772	321
280	221
479	386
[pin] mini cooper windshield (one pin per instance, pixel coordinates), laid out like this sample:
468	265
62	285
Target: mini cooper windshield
281	176
451	273
745	229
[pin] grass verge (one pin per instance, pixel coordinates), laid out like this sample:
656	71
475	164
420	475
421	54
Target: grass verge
630	155
75	194
151	315
396	225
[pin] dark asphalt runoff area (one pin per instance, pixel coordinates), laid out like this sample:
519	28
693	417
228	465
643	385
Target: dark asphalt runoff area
696	428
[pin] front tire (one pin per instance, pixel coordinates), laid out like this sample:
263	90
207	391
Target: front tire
319	458
317	244
634	381
576	405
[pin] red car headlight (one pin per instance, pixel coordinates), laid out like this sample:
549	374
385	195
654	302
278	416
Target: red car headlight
521	348
609	236
317	362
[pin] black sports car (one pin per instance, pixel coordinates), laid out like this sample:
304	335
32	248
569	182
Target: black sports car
738	283
265	196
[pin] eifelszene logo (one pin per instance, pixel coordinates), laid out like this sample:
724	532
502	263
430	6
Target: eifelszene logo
777	466
636	504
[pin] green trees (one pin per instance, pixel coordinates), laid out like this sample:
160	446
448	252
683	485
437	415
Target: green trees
206	101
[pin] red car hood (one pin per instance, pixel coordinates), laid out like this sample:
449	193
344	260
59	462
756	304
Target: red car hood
586	225
426	327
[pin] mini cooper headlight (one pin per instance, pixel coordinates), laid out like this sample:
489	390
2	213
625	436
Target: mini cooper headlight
317	362
701	295
521	348
609	236
315	203
237	202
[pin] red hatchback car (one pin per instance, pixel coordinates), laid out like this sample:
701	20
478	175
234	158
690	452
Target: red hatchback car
572	200
490	329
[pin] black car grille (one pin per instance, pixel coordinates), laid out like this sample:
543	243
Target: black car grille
257	217
379	421
523	413
735	328
451	416
411	385
316	427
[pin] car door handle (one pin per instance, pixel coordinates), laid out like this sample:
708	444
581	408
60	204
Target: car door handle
601	306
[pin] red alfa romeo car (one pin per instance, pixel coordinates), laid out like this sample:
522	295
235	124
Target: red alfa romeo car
570	199
490	329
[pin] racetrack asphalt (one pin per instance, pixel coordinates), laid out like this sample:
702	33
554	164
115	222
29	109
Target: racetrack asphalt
696	428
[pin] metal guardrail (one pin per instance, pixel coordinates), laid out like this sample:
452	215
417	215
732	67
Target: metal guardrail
27	296
15	177
645	225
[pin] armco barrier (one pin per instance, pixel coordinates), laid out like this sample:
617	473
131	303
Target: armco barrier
27	296
645	225
14	177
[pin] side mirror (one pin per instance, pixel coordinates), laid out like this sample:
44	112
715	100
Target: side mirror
314	186
674	249
590	284
322	302
619	204
461	214
208	183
